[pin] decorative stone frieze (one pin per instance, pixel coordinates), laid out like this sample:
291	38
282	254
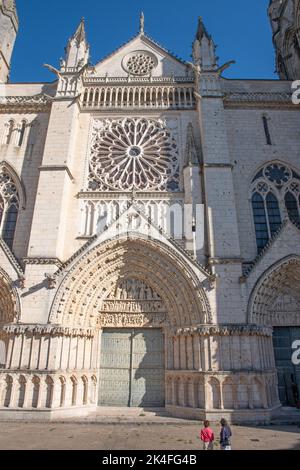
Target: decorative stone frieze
45	330
42	261
36	103
226	330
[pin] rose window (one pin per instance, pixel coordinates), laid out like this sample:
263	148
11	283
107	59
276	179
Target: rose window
277	174
133	154
139	63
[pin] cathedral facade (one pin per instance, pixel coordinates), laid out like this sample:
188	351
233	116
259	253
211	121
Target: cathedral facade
149	231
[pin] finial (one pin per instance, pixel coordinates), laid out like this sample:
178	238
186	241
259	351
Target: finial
201	30
142	23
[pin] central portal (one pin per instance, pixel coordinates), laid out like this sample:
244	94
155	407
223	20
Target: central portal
132	368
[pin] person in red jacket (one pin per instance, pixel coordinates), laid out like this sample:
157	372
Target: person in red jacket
207	437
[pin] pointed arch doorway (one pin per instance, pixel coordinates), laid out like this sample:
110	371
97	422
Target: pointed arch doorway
275	302
132	363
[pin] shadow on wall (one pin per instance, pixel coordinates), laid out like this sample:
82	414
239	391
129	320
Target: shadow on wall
148	377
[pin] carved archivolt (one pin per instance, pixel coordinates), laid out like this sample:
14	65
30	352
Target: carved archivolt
9	301
275	300
88	295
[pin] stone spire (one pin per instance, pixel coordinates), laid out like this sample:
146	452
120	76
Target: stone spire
9	25
9	5
204	49
191	153
77	51
142	23
201	30
284	17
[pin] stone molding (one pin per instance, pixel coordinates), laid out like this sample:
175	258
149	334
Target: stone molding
218	165
78	287
226	330
130	80
279	279
249	268
43	261
11	258
36	103
216	261
57	168
46	330
128	195
261	98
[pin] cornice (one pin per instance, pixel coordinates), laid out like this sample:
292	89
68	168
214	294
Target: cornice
259	99
36	103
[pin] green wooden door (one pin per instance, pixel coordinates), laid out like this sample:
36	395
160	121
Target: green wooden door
132	368
288	373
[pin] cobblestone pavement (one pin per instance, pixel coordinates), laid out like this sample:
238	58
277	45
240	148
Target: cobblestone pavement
137	436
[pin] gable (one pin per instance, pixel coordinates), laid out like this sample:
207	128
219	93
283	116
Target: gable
286	242
139	56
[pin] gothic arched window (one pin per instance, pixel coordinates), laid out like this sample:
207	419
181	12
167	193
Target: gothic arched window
275	197
267	219
274	216
9	206
292	206
9	227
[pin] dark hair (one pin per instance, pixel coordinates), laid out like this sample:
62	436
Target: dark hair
224	422
206	423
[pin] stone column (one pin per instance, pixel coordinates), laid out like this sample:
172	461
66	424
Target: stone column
190	352
28	393
221	395
174	392
197	352
170	353
182	345
176	353
13	393
250	395
206	392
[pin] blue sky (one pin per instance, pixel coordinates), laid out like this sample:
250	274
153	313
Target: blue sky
240	29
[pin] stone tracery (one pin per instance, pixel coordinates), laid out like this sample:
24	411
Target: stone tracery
133	153
8	188
140	63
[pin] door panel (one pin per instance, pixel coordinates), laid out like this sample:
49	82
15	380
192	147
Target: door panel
288	373
147	369
132	368
115	368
